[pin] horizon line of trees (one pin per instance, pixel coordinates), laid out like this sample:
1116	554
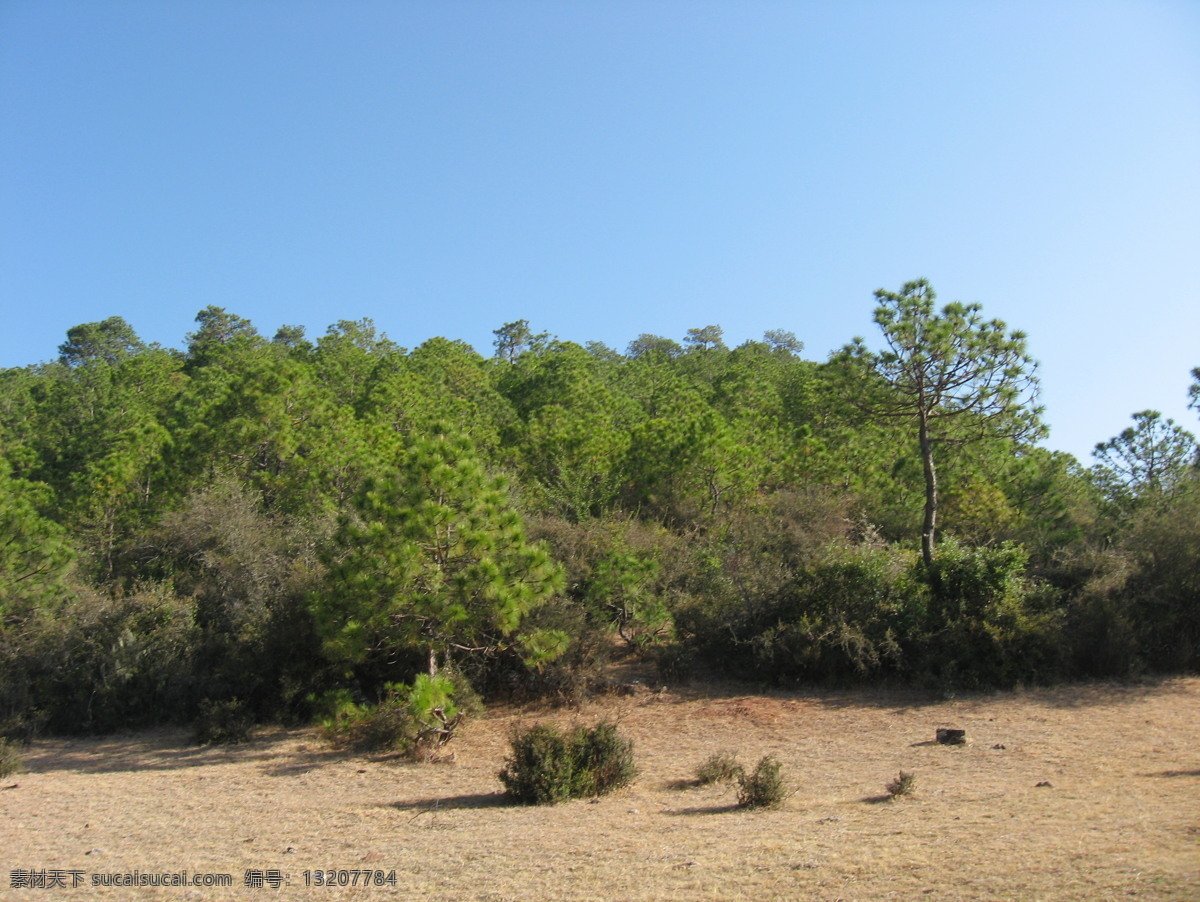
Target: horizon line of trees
285	521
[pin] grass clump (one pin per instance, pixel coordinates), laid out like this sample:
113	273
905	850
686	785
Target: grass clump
10	758
226	722
548	766
720	768
903	785
763	787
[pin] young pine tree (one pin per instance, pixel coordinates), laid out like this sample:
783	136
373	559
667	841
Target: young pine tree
437	560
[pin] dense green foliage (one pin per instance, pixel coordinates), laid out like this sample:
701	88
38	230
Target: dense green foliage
284	521
548	766
415	720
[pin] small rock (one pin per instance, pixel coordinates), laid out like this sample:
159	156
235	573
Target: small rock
1045	783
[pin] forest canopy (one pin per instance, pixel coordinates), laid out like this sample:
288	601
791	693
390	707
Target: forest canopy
281	521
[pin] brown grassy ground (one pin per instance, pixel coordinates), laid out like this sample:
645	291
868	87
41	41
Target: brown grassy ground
1120	818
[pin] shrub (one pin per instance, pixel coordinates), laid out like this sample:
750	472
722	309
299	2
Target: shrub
416	720
603	760
568	680
548	766
719	768
674	663
1101	632
372	728
976	583
225	722
10	758
1163	591
843	619
540	770
988	625
764	786
903	785
433	708
99	662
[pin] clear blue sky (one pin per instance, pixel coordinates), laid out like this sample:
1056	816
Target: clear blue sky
604	169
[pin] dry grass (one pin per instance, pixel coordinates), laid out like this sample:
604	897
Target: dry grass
1120	818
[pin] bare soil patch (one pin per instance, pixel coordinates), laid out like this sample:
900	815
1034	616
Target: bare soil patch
1087	792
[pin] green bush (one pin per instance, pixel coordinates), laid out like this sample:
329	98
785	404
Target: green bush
540	770
719	768
988	624
547	766
99	662
603	760
10	758
416	719
567	680
865	613
623	591
1098	628
764	787
972	583
903	785
372	728
1163	591
843	619
433	705
674	663
226	722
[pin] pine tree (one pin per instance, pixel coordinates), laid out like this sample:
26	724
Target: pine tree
952	375
435	559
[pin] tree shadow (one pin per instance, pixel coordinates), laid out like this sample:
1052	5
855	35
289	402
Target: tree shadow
451	803
898	698
1108	692
305	762
903	700
172	749
1174	773
700	811
875	800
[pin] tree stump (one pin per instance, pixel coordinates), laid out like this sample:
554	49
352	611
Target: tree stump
951	736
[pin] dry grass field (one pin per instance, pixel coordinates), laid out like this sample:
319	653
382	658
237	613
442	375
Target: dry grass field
1084	792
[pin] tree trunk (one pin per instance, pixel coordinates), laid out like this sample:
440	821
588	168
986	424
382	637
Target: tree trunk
929	527
433	662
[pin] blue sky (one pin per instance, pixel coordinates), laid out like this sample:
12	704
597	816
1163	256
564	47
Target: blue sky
604	169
